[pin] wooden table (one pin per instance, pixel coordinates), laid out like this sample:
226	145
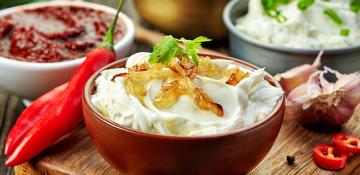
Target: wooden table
10	108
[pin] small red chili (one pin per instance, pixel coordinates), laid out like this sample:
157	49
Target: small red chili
346	142
329	157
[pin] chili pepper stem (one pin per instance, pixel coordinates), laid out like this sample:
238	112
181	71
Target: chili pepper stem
108	41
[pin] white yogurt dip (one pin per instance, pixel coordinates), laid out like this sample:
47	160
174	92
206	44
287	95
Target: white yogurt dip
249	101
309	28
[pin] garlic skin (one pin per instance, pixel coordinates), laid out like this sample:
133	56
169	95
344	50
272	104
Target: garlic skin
296	76
319	101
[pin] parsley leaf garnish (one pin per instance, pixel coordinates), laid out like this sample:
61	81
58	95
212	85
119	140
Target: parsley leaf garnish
169	48
192	47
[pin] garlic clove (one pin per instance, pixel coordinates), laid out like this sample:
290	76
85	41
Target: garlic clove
352	92
320	101
298	75
300	100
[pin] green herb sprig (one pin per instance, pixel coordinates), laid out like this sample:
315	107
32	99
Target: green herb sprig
169	48
192	47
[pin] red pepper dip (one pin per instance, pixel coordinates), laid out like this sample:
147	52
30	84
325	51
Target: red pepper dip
54	33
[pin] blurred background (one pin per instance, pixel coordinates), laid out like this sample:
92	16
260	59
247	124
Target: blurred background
186	18
192	18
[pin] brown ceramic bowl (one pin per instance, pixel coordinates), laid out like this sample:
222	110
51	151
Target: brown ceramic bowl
136	152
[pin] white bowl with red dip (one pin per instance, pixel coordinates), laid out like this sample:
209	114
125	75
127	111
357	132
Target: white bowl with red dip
42	44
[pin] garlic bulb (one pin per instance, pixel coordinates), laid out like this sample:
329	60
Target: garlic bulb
298	75
320	101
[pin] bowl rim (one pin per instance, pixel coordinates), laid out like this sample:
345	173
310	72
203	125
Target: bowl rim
231	27
128	34
280	104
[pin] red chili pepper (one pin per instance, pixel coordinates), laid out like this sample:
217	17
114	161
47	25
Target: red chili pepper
347	143
66	113
329	157
29	117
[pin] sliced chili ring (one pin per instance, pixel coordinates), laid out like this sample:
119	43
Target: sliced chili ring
346	142
329	157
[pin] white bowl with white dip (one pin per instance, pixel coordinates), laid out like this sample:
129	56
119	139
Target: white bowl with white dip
278	46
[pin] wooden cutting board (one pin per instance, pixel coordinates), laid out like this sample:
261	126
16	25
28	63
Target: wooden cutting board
75	154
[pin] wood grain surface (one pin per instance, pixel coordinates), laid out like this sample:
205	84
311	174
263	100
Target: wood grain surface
10	108
75	154
298	141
